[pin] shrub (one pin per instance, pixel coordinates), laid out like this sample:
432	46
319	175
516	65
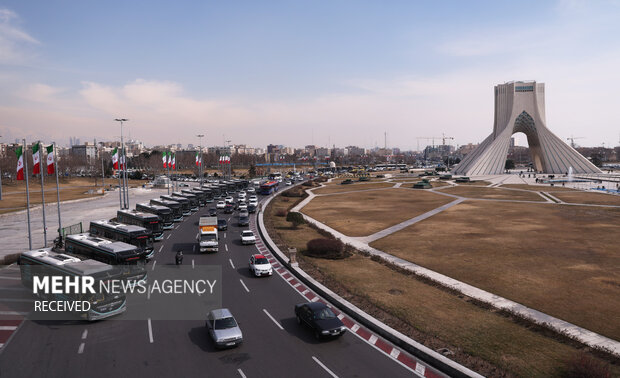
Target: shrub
292	193
325	248
583	365
281	213
307	183
295	218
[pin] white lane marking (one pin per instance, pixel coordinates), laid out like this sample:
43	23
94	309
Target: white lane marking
290	278
241	373
9	278
150	331
13	313
192	263
297	284
340	316
324	367
231	263
1	345
305	292
394	353
226	246
153	267
160	248
355	327
81	348
148	293
373	339
8	328
314	299
194	249
224	235
420	368
84	334
168	237
245	287
274	320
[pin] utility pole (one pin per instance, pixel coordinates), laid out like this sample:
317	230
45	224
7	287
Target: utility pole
200	157
124	170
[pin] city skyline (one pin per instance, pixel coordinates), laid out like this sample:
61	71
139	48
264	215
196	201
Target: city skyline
293	74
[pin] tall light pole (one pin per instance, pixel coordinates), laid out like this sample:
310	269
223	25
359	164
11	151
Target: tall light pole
0	180
124	162
200	157
227	166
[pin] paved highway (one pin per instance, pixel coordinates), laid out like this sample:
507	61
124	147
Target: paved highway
274	344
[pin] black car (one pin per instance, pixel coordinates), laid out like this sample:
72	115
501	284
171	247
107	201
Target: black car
222	225
244	220
320	318
212	212
229	209
251	209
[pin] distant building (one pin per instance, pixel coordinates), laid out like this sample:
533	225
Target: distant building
86	151
355	151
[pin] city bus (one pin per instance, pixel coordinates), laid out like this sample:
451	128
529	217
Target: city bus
214	189
268	187
276	176
128	233
201	195
45	262
184	202
163	212
192	198
151	222
110	252
177	211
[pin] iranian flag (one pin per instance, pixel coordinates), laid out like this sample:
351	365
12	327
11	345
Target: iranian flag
36	158
20	163
50	159
164	160
122	162
227	159
197	159
221	160
115	158
169	159
174	161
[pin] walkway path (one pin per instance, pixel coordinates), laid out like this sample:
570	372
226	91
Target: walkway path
362	243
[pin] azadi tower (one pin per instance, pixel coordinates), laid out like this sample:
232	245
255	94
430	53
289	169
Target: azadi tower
520	107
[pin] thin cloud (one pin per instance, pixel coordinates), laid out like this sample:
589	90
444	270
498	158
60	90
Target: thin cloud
14	42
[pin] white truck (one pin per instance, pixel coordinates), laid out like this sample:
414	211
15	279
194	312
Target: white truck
207	234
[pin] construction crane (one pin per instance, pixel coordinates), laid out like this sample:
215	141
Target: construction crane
572	140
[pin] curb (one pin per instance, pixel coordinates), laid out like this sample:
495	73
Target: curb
416	349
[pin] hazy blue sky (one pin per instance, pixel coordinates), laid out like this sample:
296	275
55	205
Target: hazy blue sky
301	72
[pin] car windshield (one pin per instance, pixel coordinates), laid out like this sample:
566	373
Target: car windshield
324	313
207	237
247	233
262	261
225	323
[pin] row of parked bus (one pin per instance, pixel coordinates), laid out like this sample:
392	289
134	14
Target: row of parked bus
119	248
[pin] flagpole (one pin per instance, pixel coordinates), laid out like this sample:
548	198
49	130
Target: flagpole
27	194
42	196
120	187
168	166
57	191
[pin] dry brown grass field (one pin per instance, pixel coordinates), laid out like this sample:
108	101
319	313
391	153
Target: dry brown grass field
589	198
539	188
492	193
440	319
337	188
364	213
559	259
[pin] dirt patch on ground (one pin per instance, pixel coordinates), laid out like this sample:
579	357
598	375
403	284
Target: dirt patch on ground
357	185
538	188
492	193
561	260
364	213
589	198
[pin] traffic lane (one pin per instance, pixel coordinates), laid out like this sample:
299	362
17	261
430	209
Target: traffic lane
279	298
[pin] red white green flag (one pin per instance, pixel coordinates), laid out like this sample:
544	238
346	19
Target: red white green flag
50	159
169	159
164	160
174	161
20	163
36	158
122	162
115	158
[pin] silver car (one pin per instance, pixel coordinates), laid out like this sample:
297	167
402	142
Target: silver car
223	328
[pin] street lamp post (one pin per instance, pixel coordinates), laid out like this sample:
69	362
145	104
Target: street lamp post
200	157
124	170
0	180
228	166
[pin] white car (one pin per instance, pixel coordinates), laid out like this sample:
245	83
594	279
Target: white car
251	190
220	205
242	206
253	202
247	237
253	198
229	199
288	183
260	266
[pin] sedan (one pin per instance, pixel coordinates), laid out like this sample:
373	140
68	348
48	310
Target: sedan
212	212
220	204
229	199
247	237
288	183
320	319
242	206
223	328
260	266
229	208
